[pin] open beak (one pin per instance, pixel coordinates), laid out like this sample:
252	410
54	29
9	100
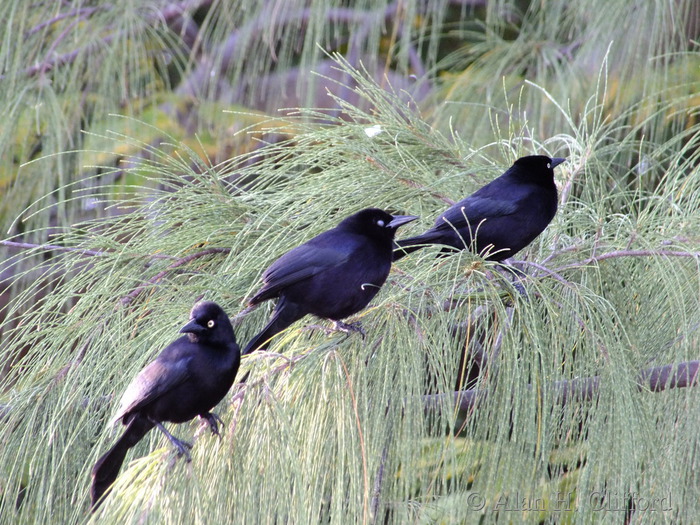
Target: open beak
399	220
556	161
193	327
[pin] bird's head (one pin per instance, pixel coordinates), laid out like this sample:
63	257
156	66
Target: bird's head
376	223
536	168
208	324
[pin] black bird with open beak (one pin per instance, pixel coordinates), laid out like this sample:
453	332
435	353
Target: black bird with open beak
332	276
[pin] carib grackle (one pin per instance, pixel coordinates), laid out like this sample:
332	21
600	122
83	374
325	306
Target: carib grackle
500	218
189	377
332	276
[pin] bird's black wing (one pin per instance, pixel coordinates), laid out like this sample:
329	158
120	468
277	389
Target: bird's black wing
156	379
475	209
299	264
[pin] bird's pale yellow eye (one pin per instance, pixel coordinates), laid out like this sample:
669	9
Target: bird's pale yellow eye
380	222
549	165
211	323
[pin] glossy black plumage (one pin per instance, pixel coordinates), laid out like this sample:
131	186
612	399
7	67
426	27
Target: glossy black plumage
189	377
332	276
500	218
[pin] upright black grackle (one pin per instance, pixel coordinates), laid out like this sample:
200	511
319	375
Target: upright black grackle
189	377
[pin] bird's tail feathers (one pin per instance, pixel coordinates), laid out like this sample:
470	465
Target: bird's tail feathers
283	316
106	470
405	246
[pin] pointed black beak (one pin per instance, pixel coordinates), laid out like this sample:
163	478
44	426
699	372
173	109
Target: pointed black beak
399	220
556	161
193	327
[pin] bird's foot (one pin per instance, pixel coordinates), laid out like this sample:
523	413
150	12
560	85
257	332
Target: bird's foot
211	419
517	278
340	326
518	285
183	447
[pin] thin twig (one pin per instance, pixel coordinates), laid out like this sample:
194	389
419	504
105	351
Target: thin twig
426	190
557	253
656	379
157	277
628	253
64	59
238	318
78	359
546	270
83	251
379	480
288	363
81	13
59	38
51	247
569	184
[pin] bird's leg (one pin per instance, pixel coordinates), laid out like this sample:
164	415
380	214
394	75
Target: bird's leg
349	327
338	326
213	421
518	285
517	277
181	446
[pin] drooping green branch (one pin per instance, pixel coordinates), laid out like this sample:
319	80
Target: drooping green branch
157	277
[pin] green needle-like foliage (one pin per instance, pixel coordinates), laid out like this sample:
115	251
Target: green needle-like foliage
331	428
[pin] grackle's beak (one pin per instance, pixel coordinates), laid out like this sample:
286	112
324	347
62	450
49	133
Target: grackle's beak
193	327
556	161
398	220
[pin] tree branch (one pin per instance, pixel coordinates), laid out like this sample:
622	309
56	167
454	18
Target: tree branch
58	248
50	247
656	379
544	269
168	13
628	253
266	23
81	13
